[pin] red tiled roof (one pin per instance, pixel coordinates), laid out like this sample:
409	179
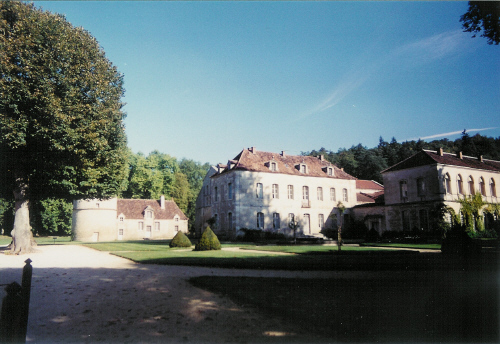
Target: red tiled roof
257	161
368	185
430	158
377	197
134	209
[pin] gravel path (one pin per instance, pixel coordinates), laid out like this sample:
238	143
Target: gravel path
81	295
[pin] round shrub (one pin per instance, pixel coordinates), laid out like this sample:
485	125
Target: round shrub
180	240
208	241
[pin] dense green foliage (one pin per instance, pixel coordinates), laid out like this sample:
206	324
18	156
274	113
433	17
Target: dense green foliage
180	240
208	241
61	123
367	163
161	174
483	16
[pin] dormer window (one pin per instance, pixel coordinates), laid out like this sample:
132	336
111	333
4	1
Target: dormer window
302	168
273	166
148	213
329	171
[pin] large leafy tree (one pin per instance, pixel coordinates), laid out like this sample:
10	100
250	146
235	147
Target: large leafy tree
61	124
483	16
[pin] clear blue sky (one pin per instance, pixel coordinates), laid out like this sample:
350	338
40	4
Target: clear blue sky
204	80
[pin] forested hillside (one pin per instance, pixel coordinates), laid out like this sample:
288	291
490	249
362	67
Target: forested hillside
366	163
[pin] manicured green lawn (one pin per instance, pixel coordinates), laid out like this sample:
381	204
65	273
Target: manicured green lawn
306	257
5	240
400	245
307	249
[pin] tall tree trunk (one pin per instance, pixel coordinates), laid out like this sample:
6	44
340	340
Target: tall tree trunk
22	237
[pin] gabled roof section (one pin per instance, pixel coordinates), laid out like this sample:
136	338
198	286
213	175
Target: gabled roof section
362	184
257	161
377	197
426	157
134	209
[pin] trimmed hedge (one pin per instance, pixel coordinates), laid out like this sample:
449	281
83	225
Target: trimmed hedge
180	240
208	241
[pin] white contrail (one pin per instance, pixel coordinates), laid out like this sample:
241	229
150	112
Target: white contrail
451	133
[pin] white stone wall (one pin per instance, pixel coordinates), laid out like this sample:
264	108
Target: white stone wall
244	205
94	220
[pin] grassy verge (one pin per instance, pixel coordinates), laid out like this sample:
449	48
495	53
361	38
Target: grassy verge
401	245
307	249
49	240
392	309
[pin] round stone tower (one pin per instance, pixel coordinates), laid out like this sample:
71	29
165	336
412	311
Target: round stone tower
94	220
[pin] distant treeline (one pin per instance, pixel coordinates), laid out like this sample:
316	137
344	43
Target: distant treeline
366	163
149	177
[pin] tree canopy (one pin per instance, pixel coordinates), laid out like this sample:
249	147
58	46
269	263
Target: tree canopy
483	16
61	121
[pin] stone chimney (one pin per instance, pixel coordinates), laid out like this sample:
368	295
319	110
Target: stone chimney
440	151
162	202
283	153
322	157
252	149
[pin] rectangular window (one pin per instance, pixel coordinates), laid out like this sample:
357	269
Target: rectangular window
420	187
333	198
230	191
424	220
216	194
176	229
149	214
273	166
259	191
275	191
230	221
157	226
345	198
406	220
260	220
141	226
276	221
403	190
320	193
290	191
321	220
291	220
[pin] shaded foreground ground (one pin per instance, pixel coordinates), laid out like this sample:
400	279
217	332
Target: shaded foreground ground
409	306
81	295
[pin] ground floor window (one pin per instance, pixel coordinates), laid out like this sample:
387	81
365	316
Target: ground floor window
321	221
157	226
141	226
405	215
260	220
276	221
424	219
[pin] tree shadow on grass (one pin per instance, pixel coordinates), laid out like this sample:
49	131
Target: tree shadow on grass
349	261
454	307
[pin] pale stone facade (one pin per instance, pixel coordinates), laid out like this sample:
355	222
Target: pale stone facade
416	186
126	219
262	190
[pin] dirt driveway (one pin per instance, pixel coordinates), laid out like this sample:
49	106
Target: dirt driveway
81	295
